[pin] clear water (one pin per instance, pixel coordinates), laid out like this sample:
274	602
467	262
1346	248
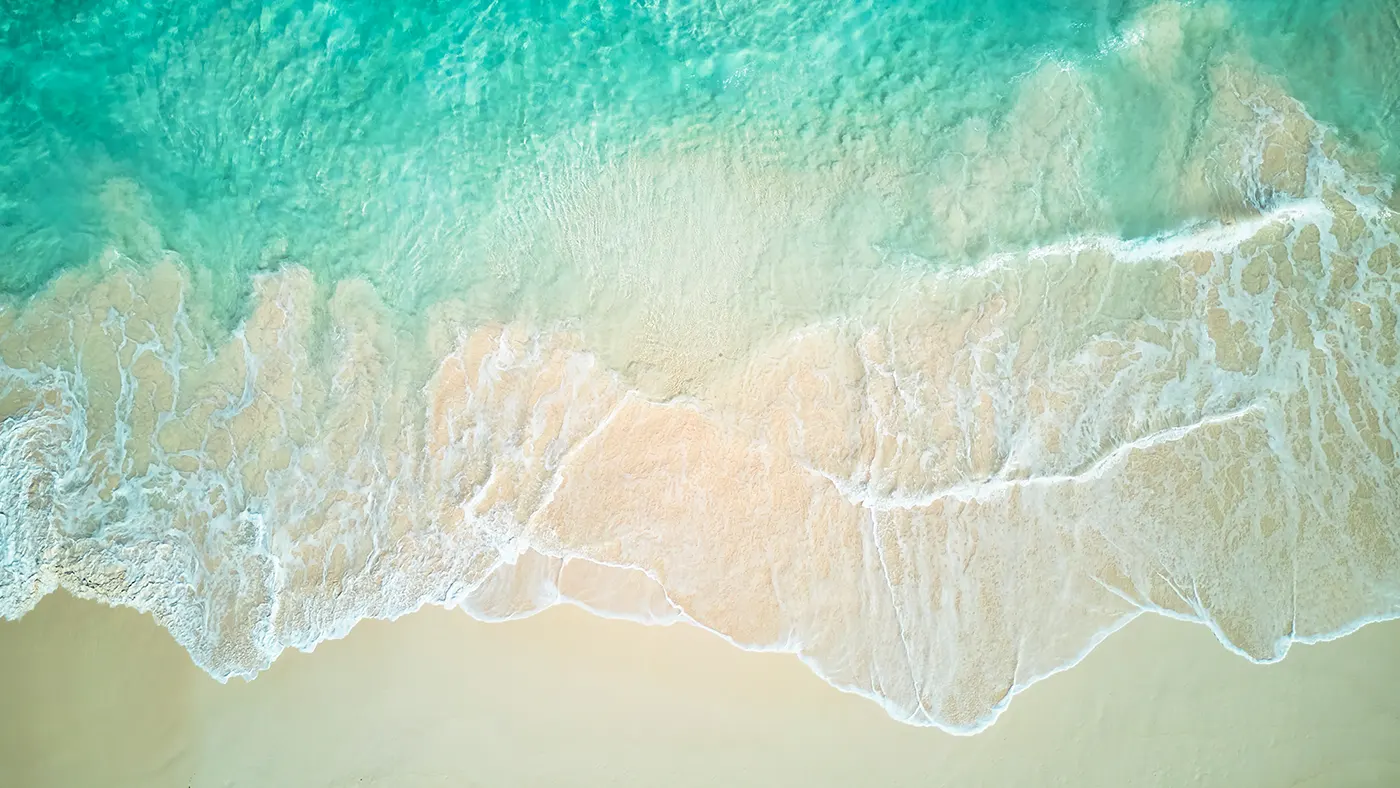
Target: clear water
323	310
363	141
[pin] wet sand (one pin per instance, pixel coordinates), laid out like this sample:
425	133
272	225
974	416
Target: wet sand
97	696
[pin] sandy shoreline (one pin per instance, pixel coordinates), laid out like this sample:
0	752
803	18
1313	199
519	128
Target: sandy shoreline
96	696
939	483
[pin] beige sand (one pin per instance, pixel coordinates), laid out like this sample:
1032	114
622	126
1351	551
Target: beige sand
102	697
937	506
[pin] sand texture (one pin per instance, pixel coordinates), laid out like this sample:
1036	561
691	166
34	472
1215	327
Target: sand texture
100	697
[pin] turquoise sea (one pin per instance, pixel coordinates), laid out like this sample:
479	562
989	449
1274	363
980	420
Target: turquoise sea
932	341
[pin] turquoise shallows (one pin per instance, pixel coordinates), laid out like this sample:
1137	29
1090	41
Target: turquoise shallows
376	139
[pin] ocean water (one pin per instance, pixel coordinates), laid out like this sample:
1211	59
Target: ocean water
932	342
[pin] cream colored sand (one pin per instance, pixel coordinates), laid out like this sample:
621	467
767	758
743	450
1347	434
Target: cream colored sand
103	697
936	503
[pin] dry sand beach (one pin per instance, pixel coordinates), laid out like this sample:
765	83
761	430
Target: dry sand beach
101	697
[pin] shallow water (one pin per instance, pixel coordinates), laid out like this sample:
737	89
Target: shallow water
932	344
